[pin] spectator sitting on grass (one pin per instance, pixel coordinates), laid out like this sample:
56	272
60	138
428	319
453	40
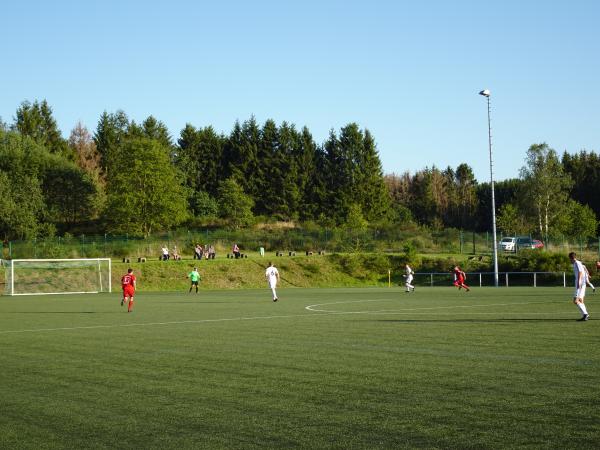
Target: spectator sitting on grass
236	251
175	255
165	253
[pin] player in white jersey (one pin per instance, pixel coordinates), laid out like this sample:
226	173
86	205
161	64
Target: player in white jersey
588	279
272	276
579	295
409	275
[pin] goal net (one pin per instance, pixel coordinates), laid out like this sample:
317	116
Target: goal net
56	276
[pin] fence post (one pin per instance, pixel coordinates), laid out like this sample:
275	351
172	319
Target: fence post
506	278
564	279
534	279
431	279
479	279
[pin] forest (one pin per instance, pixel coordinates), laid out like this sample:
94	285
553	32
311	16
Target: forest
135	178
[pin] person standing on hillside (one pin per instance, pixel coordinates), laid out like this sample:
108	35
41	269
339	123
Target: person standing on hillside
272	276
129	285
195	278
579	295
409	275
198	250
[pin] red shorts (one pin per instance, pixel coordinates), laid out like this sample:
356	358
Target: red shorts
459	281
128	291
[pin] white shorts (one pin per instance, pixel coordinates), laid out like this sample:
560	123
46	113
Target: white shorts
409	279
272	284
579	293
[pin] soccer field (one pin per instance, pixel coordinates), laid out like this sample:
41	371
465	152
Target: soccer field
321	368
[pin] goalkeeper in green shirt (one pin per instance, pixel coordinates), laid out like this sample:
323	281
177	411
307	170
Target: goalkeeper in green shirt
195	278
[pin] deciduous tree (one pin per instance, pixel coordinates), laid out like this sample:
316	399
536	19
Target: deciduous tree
145	194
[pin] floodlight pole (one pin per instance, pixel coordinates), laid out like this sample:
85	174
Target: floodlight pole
486	93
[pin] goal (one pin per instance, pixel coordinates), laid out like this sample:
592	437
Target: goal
57	276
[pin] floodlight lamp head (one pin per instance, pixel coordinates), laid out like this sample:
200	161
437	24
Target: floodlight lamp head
485	93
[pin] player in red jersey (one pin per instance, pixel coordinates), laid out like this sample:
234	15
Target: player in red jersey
129	285
459	279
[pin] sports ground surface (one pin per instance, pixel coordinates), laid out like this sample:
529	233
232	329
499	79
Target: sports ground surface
321	368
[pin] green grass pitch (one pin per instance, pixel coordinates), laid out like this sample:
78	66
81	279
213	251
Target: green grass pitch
361	368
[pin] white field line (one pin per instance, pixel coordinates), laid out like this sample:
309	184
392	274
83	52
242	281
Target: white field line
314	308
412	311
148	324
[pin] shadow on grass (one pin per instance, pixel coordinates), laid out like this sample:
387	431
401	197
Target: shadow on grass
202	302
61	312
472	320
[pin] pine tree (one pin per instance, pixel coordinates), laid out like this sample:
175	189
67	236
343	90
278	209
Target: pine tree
36	121
371	190
309	176
110	133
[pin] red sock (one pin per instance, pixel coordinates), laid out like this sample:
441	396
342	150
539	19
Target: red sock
130	305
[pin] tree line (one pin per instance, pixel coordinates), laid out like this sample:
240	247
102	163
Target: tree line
129	177
553	196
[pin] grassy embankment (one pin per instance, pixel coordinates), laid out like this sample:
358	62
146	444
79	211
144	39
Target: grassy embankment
298	271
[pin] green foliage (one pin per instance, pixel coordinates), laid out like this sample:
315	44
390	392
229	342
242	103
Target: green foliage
511	221
546	186
235	205
584	169
577	221
352	175
146	193
71	194
355	221
110	133
534	260
21	204
199	158
410	255
289	177
204	205
36	121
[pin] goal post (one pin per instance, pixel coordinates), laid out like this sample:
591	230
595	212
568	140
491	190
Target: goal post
57	276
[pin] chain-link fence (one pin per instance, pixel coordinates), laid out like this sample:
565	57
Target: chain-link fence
448	241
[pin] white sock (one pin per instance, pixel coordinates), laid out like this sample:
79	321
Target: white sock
274	293
582	308
591	285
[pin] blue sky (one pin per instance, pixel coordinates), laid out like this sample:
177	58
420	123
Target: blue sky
408	71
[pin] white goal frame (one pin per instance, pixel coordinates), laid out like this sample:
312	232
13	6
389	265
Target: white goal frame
11	267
